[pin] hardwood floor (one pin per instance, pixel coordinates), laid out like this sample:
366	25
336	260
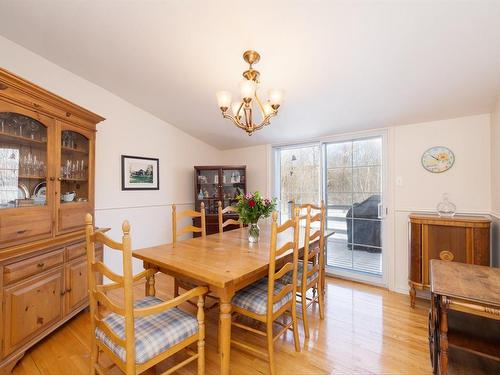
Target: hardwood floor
367	330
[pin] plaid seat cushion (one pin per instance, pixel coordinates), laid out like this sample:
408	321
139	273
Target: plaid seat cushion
288	277
153	334
254	297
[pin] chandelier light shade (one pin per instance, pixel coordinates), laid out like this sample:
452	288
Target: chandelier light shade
242	112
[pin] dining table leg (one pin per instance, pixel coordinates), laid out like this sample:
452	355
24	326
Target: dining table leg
225	331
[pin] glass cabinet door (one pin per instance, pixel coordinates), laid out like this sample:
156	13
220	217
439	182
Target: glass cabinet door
23	161
233	184
74	168
208	189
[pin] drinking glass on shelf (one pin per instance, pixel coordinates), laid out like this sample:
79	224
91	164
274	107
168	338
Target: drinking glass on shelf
34	130
11	126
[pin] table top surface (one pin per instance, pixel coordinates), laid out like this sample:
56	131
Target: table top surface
218	260
466	281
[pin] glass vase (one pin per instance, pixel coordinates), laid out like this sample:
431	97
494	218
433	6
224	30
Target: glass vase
253	232
446	208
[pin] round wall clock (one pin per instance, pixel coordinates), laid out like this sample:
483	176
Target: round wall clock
438	159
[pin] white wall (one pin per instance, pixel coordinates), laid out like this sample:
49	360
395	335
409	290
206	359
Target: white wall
256	159
468	182
126	130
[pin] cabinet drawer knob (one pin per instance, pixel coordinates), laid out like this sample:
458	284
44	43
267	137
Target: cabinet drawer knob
21	231
63	293
446	255
68	290
52	179
40	265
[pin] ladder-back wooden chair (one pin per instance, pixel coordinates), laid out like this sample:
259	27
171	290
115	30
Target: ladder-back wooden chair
188	228
222	223
310	273
184	230
138	334
270	298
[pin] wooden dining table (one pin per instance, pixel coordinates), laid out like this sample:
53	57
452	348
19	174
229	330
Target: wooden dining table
224	262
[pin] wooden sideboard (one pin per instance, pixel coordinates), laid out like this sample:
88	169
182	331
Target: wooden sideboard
47	163
463	239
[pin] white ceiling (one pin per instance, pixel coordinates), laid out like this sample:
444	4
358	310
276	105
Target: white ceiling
344	65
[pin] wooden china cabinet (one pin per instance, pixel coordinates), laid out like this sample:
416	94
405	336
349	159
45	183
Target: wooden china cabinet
218	183
46	188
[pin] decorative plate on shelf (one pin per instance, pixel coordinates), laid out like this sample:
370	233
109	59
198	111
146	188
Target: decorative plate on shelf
40	190
22	192
438	159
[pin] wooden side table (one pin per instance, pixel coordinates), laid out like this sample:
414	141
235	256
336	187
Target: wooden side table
469	289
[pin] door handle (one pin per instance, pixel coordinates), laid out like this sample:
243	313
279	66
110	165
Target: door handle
382	211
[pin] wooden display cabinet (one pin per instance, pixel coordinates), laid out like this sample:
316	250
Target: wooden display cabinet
464	239
218	183
46	187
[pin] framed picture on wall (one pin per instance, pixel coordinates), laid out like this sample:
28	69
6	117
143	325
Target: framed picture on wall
140	173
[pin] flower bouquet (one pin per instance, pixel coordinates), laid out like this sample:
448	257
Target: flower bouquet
251	207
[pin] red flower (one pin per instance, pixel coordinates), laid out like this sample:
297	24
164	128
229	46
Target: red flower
251	203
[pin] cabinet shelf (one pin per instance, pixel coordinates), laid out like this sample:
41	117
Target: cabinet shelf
25	177
74	179
74	150
23	140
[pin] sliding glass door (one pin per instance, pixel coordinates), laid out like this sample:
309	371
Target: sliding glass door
297	176
348	176
353	192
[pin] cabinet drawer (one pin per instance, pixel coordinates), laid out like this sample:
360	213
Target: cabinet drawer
76	250
27	267
25	225
72	216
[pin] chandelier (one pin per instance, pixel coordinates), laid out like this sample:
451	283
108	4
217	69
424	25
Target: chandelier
243	111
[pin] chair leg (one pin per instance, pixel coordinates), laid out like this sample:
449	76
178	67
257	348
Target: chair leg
321	301
94	358
201	358
270	348
176	288
201	339
218	336
296	340
303	302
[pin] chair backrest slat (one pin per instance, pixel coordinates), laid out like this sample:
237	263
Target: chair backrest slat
221	212
102	269
284	270
276	276
189	228
313	255
105	240
109	332
283	292
283	249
